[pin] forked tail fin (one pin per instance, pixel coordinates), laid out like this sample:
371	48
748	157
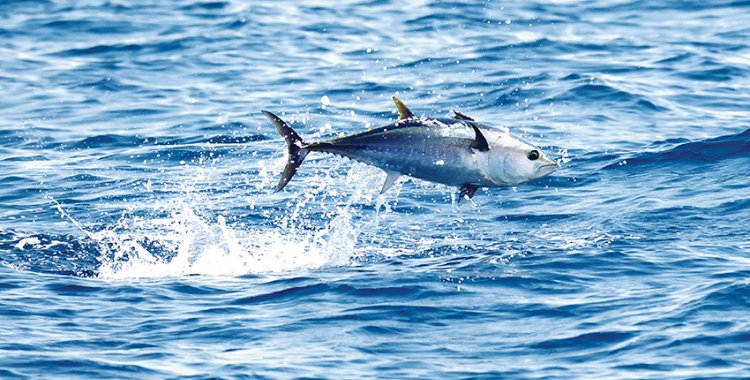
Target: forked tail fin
297	149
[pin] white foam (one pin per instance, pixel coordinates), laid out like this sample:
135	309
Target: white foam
31	241
201	247
186	242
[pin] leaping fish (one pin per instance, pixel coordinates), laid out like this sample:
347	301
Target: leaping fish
458	151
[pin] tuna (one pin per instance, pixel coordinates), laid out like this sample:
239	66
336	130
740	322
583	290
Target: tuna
458	151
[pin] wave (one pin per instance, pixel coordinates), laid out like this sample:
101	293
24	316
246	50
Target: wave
108	84
117	49
175	240
724	73
48	253
695	152
113	141
92	26
206	5
592	91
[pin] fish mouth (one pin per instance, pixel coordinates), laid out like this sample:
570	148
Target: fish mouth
552	162
547	168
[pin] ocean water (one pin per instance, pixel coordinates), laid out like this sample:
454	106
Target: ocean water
140	237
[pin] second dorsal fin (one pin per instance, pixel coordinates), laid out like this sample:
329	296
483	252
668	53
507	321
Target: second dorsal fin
461	116
403	111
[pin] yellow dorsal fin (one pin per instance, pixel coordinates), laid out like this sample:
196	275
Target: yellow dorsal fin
403	111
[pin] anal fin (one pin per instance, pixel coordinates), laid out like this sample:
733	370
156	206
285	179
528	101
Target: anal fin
390	179
467	190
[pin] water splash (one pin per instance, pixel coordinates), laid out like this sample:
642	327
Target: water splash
186	244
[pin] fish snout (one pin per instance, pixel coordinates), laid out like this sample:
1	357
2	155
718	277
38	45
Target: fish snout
547	166
547	161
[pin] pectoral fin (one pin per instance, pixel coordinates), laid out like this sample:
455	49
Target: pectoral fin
468	191
479	143
403	111
390	179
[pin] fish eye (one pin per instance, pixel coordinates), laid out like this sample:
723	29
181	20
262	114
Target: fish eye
533	155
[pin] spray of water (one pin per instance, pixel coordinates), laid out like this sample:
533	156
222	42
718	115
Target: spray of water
178	238
214	248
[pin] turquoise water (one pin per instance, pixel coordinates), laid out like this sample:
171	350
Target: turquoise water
140	236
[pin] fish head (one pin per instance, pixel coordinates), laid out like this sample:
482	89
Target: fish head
513	161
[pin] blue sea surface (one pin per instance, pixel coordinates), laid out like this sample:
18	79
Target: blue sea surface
140	236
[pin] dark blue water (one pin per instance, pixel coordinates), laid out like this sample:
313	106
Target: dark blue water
140	238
